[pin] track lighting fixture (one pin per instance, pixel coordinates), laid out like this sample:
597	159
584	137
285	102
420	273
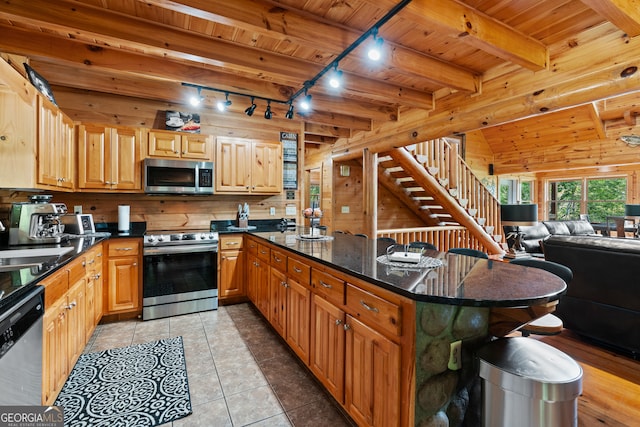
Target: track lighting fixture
267	112
223	105
374	53
289	114
196	99
375	50
305	103
249	111
335	78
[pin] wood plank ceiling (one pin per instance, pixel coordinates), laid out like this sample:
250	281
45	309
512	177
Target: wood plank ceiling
435	51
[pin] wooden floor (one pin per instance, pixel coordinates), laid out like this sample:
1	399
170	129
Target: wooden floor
610	383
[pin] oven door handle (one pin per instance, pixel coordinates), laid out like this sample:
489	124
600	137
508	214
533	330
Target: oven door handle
178	249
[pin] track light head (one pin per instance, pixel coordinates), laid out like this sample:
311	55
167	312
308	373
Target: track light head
223	105
305	104
249	111
196	100
289	114
335	78
375	50
267	113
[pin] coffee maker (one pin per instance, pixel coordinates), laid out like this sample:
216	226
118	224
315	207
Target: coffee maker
36	222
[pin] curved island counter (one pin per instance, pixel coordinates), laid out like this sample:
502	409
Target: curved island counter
394	343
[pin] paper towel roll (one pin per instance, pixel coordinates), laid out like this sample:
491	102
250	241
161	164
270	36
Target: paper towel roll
123	218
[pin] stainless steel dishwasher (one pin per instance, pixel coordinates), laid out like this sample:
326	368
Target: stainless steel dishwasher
21	350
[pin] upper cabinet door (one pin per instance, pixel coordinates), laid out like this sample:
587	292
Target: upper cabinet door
266	167
94	156
233	170
164	144
126	170
247	166
55	146
197	146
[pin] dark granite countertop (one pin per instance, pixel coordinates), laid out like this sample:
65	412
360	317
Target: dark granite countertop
461	280
15	283
257	225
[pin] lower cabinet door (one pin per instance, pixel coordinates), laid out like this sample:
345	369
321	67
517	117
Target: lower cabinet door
372	371
298	321
327	345
278	301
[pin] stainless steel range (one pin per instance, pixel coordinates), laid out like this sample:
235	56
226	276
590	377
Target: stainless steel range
180	273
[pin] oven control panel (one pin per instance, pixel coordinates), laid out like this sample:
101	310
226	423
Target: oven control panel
186	238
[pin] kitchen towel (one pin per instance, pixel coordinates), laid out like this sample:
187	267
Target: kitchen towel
123	218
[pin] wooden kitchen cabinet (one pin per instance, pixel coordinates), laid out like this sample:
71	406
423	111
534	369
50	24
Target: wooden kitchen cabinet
64	325
231	284
248	166
123	276
178	145
278	301
109	158
94	291
18	147
56	147
258	275
372	376
327	353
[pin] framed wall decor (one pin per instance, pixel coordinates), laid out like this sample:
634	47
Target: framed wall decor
182	121
290	160
40	83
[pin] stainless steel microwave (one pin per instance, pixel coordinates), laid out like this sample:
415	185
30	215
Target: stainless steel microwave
163	176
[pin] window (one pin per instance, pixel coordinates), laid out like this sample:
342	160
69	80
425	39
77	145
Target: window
598	198
514	191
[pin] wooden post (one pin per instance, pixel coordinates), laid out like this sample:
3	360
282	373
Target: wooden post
370	192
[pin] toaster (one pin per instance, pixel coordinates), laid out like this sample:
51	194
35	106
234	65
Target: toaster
78	224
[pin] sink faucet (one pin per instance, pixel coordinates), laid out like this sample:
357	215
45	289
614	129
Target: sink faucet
2	227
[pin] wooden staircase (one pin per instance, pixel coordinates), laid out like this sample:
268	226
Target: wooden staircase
438	186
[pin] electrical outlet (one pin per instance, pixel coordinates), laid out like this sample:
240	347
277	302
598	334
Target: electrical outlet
345	209
77	209
290	210
272	211
455	356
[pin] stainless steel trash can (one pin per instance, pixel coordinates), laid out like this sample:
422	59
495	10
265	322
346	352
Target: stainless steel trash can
526	382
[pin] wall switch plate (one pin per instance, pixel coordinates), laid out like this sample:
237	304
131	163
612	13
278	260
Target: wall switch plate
272	211
77	209
345	209
290	210
455	356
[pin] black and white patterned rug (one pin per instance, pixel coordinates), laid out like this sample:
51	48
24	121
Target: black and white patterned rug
139	385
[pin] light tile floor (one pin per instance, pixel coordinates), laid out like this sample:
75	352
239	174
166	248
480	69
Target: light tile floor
240	372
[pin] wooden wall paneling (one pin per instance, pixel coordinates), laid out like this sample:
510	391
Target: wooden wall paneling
348	192
161	212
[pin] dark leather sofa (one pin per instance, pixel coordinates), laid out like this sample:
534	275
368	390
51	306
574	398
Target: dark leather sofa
603	299
534	234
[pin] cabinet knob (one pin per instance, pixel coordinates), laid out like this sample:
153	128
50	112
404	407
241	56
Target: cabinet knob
325	285
346	327
176	152
135	264
338	322
97	276
297	270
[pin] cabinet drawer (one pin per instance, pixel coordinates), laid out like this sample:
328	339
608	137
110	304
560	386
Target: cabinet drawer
123	248
252	246
299	271
77	270
230	242
279	260
55	287
264	253
377	312
328	286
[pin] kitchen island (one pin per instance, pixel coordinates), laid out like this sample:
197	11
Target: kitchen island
393	343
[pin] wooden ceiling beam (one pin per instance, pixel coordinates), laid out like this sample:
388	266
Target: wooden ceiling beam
283	24
330	131
476	29
319	139
335	119
47	48
624	14
163	42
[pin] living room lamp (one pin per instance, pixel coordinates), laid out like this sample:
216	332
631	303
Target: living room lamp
518	215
